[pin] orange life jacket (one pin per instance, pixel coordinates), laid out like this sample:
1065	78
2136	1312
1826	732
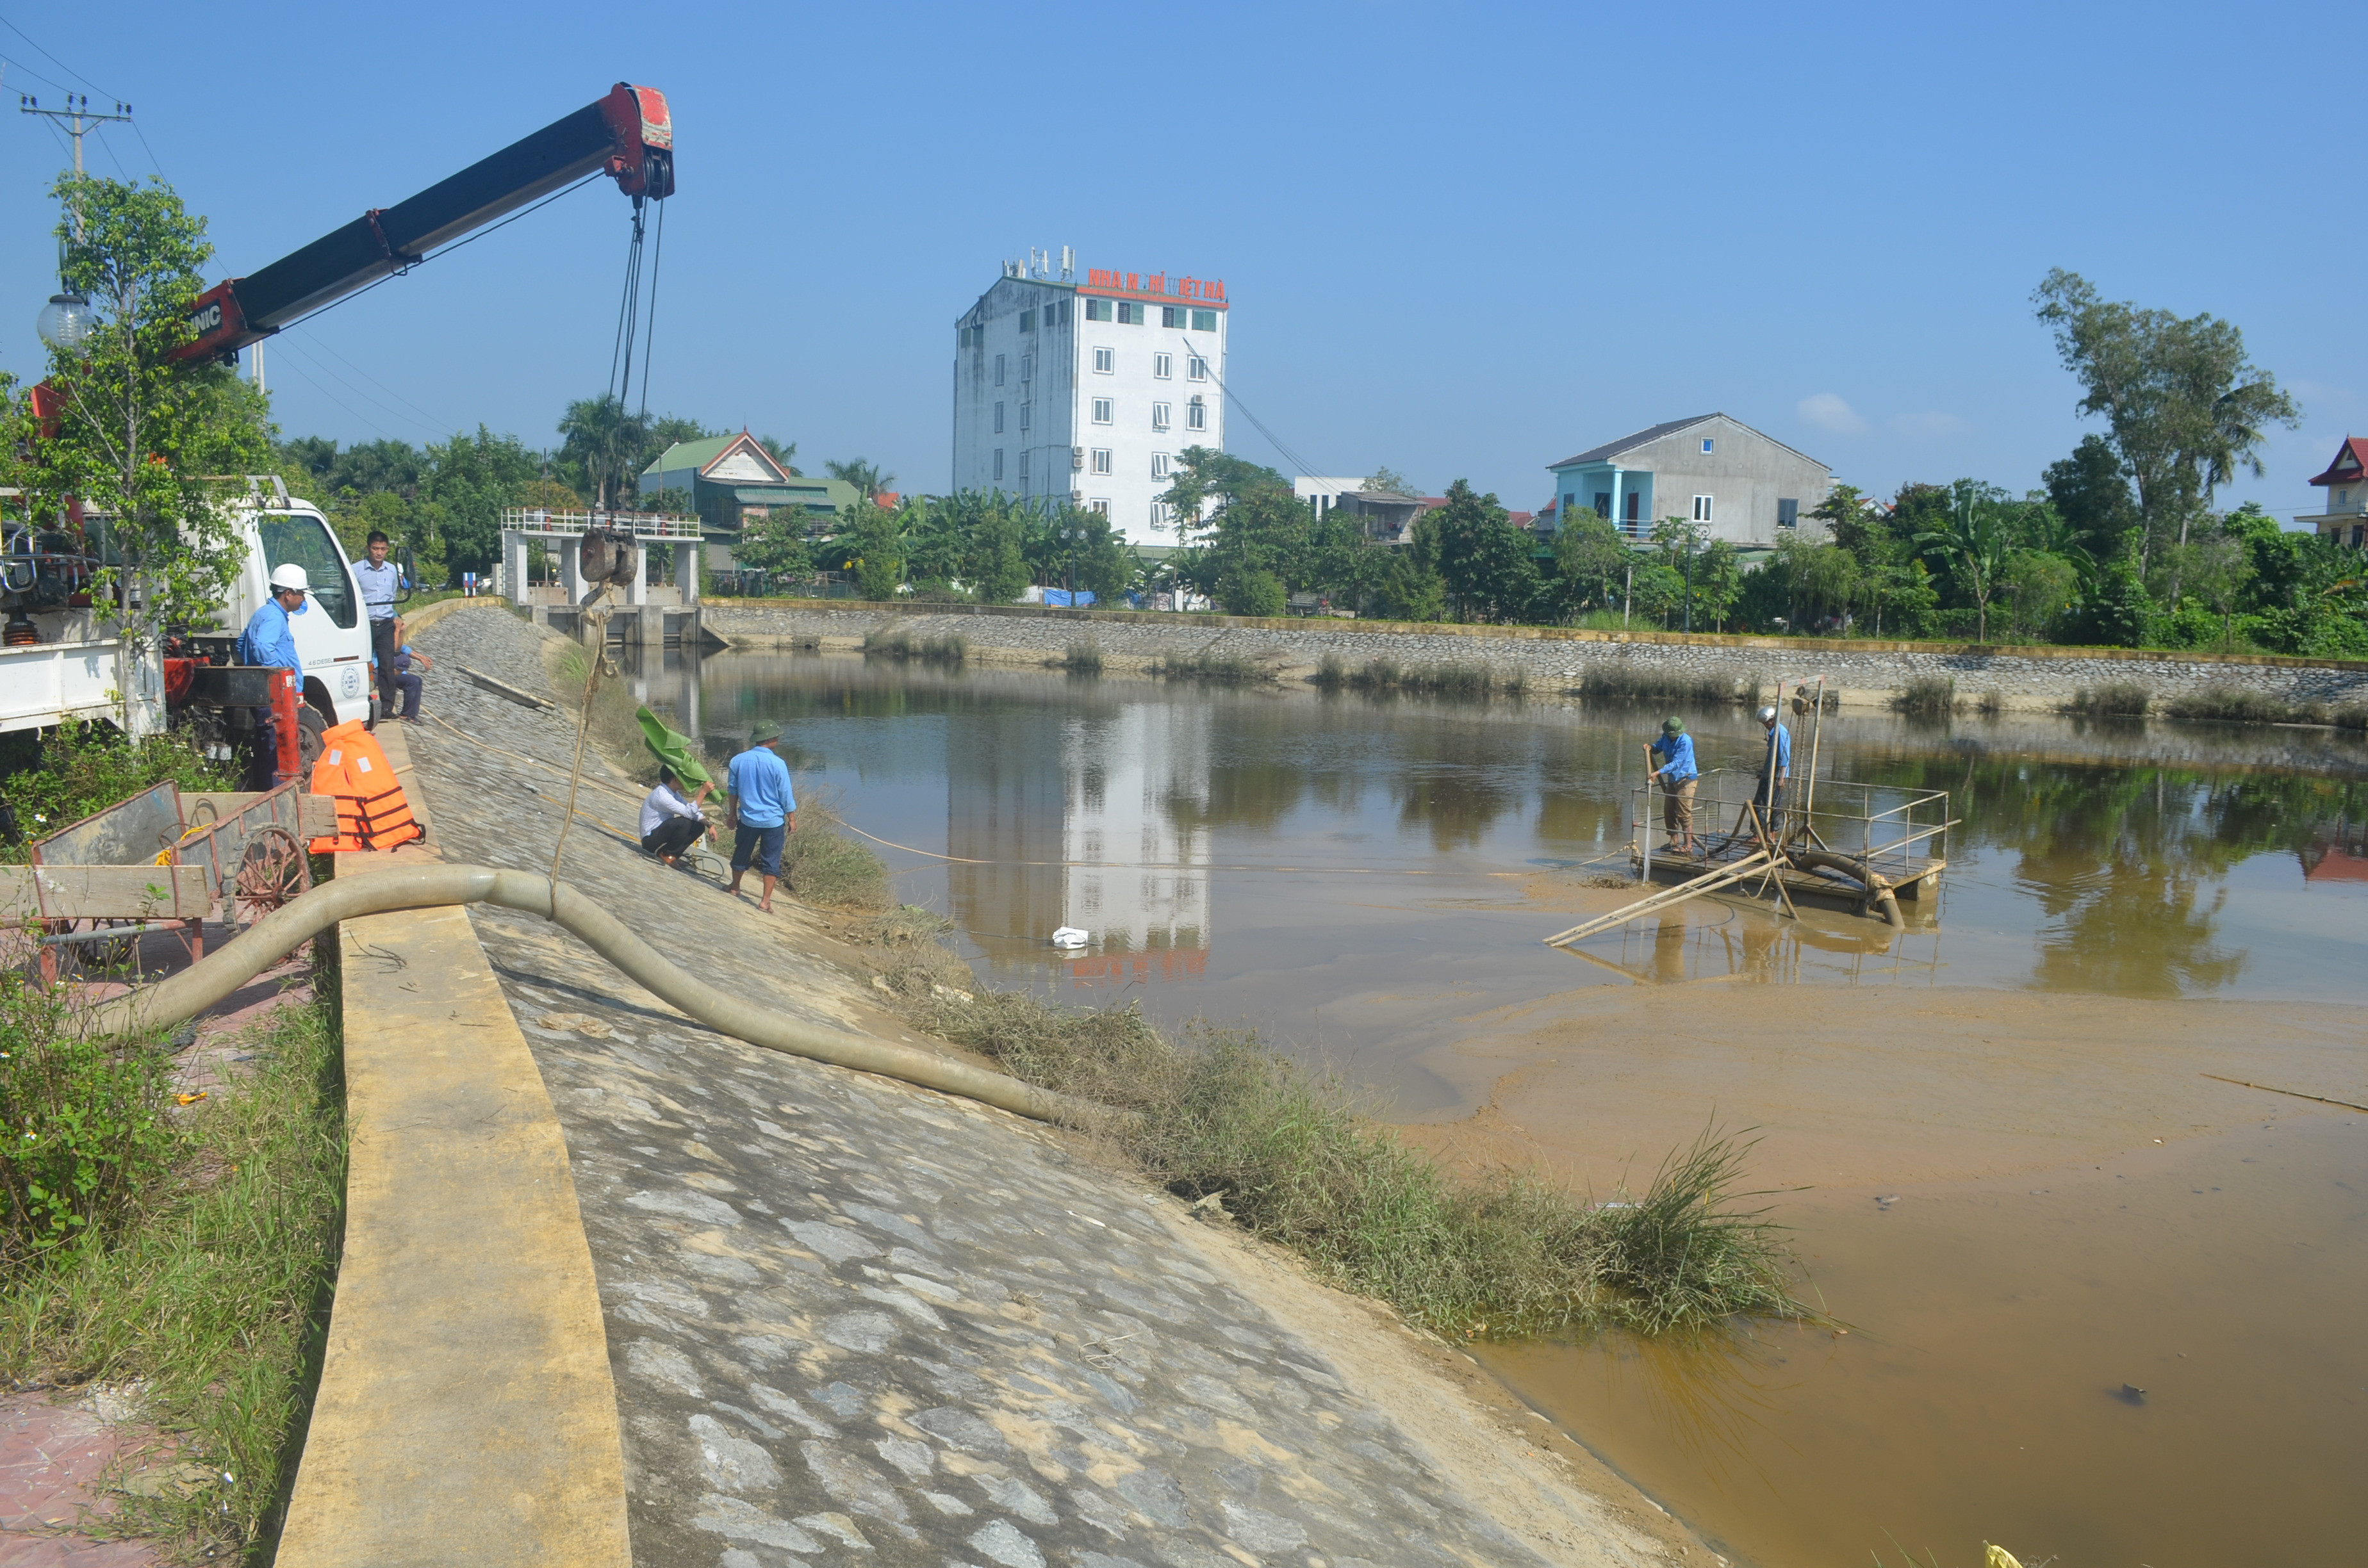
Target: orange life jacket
371	810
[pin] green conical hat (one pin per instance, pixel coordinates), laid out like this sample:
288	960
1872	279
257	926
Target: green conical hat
671	749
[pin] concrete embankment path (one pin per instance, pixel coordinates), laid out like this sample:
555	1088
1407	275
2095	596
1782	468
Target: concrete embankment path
851	1320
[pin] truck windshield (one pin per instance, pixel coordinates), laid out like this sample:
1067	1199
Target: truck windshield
295	538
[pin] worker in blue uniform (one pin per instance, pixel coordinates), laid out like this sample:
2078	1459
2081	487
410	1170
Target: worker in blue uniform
1677	777
269	642
1775	772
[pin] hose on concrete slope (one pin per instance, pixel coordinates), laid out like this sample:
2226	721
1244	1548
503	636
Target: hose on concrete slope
280	933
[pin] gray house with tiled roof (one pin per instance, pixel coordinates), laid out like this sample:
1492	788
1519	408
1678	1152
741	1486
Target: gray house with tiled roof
1749	488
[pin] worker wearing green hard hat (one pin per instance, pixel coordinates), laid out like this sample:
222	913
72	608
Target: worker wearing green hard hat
1676	775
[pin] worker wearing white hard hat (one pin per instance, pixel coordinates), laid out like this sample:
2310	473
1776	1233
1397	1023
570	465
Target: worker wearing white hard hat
268	641
1775	772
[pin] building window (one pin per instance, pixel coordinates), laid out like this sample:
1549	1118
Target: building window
1708	446
1603	505
1100	504
999	420
1159	465
1196	415
1162	365
1023	467
1701	508
1023	413
1159	514
1101	460
1130	314
1195	368
1159	416
1204	321
1635	499
999	465
1064	314
1105	361
1028	321
1098	310
1788	514
1028	366
2359	535
998	370
1101	411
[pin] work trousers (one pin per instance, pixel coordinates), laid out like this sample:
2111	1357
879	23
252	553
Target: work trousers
1770	798
672	836
1678	808
382	649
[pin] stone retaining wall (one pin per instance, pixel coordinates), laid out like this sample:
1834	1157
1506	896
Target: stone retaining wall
1550	658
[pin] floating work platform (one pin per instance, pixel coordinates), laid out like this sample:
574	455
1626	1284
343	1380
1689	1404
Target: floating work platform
1858	847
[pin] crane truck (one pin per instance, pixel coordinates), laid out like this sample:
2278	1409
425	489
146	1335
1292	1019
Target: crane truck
58	659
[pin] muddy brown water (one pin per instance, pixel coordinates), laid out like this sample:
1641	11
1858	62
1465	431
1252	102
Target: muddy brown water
1997	1149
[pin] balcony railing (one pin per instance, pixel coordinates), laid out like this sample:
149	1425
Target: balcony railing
643	525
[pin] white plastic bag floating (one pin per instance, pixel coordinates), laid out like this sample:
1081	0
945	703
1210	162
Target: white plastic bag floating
1070	936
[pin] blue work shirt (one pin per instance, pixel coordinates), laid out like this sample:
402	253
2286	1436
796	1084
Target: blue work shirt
1783	751
1679	754
268	641
759	781
380	585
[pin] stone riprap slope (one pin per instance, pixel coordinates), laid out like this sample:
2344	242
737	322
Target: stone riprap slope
854	1322
1554	659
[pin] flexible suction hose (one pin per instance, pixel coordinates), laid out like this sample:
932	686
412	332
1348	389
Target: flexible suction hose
288	927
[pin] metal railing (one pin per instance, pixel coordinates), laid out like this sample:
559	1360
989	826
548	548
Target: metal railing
643	525
1895	832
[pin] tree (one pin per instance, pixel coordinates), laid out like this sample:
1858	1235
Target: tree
2215	567
474	479
874	549
1393	481
2038	587
782	452
775	543
2186	408
1484	559
137	429
869	478
1248	591
2091	493
1591	556
1975	546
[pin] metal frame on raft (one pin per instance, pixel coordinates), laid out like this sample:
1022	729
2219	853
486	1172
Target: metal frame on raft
1849	849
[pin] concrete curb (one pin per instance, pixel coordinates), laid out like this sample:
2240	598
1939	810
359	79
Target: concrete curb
466	1410
413	625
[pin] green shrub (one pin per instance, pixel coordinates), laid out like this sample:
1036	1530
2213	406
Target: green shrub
901	644
2115	700
1444	680
82	1126
1253	593
1082	658
822	866
1224	669
1927	696
79	768
1608	681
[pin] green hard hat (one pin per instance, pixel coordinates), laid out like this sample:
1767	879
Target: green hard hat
1673	726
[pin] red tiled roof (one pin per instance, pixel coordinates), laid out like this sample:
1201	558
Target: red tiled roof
2350	462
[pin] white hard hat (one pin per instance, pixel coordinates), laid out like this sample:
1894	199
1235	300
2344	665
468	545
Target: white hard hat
1767	715
290	576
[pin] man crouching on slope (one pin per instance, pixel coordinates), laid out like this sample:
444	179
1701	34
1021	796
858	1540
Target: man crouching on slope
762	809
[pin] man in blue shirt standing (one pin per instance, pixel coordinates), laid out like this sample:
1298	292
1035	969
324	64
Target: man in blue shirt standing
762	809
1775	772
382	581
1676	776
269	642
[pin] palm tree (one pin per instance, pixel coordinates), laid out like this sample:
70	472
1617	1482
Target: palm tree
1975	547
868	478
607	441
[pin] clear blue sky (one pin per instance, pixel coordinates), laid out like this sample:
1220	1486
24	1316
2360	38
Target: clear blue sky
1461	240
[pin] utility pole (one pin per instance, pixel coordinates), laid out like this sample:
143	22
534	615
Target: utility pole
76	116
1689	577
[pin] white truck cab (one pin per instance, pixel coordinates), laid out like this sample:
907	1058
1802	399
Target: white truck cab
333	632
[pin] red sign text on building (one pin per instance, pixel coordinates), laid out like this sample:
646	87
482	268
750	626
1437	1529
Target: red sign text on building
1158	285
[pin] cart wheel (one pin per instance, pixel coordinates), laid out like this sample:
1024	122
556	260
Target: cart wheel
273	870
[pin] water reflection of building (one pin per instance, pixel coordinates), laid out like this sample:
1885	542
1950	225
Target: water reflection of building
2336	852
1072	819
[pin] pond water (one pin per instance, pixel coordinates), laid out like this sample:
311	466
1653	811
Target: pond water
1361	878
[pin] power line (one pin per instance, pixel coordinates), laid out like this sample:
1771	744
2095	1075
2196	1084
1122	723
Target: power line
53	60
431	426
313	341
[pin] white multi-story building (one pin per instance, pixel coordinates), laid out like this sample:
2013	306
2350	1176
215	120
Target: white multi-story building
1086	391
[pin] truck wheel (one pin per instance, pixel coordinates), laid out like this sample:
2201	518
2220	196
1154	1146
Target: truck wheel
310	729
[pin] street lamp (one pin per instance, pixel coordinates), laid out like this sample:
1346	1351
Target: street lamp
65	322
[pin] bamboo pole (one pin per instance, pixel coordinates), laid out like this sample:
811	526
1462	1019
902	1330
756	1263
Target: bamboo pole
1708	881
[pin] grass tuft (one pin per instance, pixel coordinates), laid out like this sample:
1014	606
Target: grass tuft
903	644
210	1291
1083	657
1287	1153
2234	705
1440	680
822	866
1222	669
1608	681
1928	696
2115	700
